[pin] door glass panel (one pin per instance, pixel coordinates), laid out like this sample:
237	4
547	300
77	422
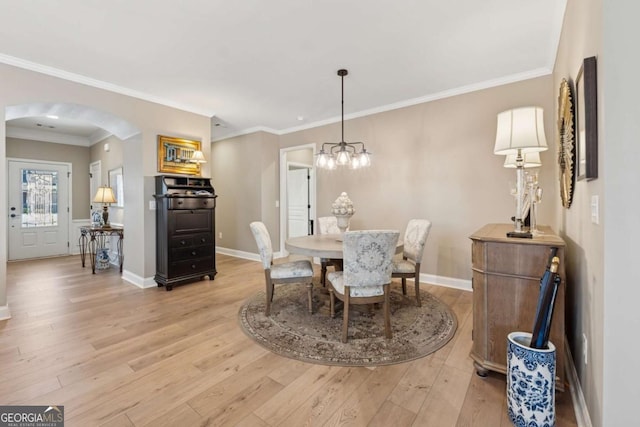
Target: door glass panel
39	198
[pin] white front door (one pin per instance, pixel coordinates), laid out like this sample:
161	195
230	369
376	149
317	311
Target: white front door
298	202
38	209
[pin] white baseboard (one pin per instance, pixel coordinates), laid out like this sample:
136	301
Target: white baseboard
449	282
238	254
579	404
139	281
4	312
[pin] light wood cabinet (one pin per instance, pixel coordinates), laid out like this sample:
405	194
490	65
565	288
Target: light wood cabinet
506	283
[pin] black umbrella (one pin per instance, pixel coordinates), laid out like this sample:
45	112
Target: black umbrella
549	284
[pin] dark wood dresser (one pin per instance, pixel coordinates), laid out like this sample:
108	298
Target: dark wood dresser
185	230
506	284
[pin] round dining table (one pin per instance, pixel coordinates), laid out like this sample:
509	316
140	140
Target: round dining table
321	245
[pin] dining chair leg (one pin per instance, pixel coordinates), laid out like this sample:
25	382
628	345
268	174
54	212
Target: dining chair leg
404	286
417	284
332	302
387	315
310	288
345	316
267	311
323	273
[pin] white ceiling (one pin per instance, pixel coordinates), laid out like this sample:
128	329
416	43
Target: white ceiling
256	64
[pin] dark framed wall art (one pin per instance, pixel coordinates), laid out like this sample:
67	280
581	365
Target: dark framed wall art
587	120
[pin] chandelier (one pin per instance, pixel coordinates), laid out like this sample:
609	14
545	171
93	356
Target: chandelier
351	154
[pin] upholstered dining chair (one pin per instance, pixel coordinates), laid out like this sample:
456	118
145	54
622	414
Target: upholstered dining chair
366	274
415	237
328	225
285	273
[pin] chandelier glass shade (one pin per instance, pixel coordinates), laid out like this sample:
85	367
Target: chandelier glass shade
350	154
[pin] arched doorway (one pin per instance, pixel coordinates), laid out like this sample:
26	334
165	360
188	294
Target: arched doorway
67	115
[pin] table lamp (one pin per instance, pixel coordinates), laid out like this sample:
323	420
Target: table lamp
520	132
105	196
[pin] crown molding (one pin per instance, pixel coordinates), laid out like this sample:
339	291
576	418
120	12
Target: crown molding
513	78
99	135
248	131
43	135
78	78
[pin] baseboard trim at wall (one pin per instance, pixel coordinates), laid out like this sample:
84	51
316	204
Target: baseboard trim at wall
238	254
139	281
448	282
579	404
4	312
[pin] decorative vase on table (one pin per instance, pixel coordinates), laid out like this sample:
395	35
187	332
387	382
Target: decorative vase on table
343	210
531	382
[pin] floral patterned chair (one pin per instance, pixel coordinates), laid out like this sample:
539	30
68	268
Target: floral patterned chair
365	279
328	225
408	267
285	273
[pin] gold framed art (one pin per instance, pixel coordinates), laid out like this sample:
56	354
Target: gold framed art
566	145
174	155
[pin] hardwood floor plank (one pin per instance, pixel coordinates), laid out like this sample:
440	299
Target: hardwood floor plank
391	414
325	402
444	402
276	410
483	402
360	408
414	387
114	354
182	415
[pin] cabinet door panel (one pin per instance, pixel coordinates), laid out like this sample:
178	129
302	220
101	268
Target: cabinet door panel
190	221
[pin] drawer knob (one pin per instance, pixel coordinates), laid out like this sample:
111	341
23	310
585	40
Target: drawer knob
179	202
193	266
194	253
203	240
182	242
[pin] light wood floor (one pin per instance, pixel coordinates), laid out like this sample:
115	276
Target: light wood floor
116	355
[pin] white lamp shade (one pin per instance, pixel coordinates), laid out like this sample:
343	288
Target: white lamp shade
198	157
531	160
520	129
104	195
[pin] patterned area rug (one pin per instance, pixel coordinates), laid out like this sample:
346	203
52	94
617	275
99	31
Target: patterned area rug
292	332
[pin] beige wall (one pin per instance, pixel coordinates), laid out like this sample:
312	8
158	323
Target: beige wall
74	154
618	97
109	160
581	38
245	177
433	160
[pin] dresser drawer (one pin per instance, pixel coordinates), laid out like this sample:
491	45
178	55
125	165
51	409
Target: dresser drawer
193	252
180	268
191	240
190	203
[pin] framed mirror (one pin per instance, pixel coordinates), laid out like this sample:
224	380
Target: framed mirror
566	143
116	182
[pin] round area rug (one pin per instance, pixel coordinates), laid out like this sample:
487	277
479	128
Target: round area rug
292	332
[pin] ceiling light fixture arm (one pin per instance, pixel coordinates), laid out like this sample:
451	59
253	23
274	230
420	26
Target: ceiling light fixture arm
352	154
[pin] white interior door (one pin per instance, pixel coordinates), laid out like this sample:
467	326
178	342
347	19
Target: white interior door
95	181
298	202
38	209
